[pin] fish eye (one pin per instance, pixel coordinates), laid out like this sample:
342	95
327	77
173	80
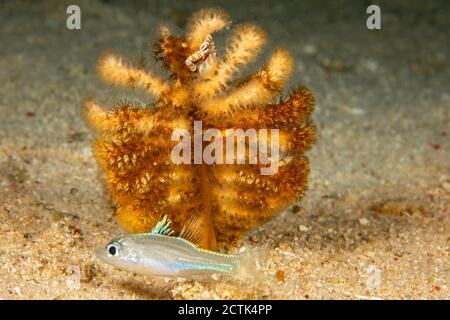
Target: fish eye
112	249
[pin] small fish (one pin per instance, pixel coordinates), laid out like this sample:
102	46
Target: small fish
159	253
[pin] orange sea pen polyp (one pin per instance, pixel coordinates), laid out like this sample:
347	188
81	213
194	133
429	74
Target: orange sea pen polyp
134	145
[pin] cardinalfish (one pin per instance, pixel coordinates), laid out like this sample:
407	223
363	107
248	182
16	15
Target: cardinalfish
159	253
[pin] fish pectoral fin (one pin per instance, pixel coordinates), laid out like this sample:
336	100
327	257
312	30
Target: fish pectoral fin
163	227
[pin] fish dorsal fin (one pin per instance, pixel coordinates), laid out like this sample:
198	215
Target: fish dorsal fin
192	230
163	227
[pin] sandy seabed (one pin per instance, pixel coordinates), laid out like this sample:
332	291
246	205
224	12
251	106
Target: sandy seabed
375	222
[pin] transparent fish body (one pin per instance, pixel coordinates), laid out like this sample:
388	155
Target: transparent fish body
160	255
163	255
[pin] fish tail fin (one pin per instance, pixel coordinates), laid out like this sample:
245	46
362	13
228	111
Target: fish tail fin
250	264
